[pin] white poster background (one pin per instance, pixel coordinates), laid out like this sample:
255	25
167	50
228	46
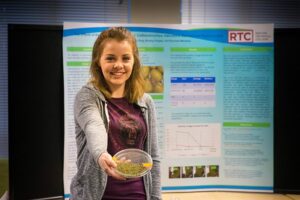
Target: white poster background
215	117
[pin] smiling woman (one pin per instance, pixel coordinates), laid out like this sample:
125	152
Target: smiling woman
109	41
116	63
112	113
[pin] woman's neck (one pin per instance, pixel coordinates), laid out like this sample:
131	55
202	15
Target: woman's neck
117	92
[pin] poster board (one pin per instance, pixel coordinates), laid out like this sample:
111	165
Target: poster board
213	91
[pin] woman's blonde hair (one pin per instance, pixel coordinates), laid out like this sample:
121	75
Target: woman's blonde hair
134	87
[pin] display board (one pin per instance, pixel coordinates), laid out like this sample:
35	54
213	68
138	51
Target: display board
28	179
213	89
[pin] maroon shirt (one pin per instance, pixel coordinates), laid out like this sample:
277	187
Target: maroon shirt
127	129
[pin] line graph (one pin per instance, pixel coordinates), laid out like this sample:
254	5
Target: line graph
193	140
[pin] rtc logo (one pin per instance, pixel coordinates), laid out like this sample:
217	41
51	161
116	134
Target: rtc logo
240	36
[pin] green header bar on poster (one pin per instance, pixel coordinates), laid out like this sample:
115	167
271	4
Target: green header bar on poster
157	97
193	49
247	49
78	64
79	49
151	49
246	124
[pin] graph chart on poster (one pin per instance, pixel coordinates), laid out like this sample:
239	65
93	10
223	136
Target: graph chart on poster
193	140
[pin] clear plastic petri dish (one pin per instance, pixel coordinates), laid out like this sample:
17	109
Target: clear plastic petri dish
133	163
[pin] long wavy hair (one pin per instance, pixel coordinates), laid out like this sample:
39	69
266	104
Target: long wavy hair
134	86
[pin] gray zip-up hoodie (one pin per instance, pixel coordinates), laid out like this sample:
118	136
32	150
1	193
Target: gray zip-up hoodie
91	124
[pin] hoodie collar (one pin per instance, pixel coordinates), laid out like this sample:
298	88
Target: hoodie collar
141	101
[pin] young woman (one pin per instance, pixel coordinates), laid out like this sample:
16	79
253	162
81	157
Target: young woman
113	113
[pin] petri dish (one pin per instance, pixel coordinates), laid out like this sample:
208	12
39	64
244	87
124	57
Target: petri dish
133	163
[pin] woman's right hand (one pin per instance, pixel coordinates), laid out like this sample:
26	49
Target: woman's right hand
108	165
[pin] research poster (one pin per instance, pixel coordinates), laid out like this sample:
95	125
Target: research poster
213	89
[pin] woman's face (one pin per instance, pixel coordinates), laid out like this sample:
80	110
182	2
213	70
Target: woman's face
116	63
